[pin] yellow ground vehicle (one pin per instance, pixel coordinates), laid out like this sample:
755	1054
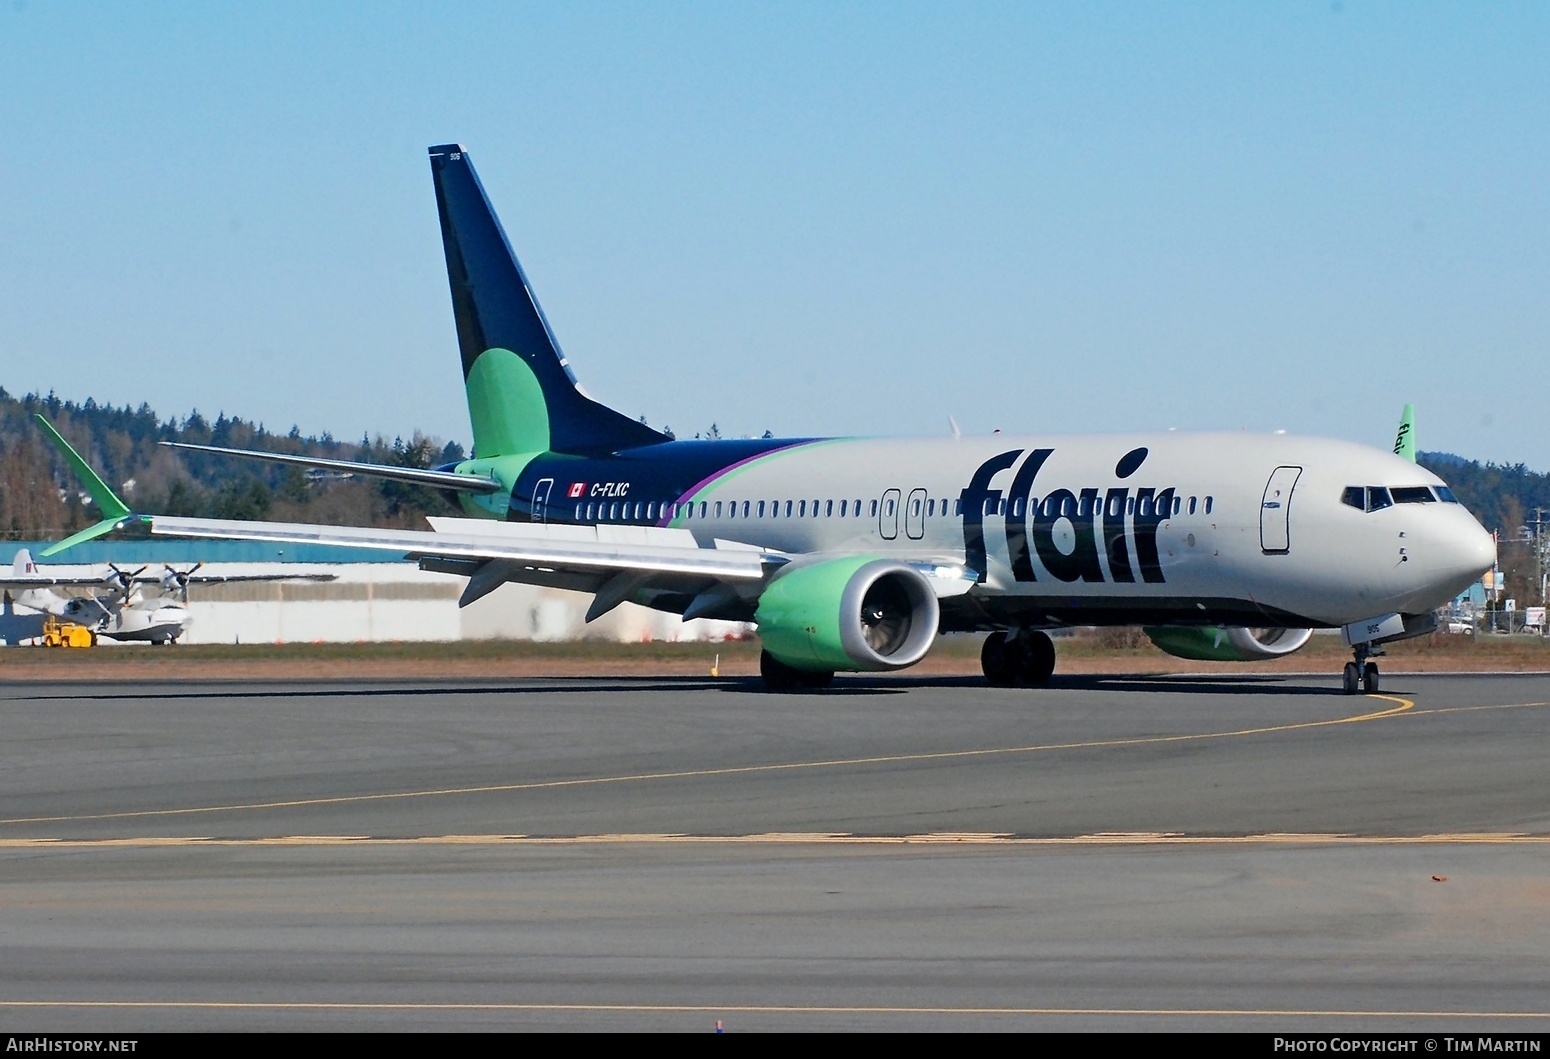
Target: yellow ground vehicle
58	633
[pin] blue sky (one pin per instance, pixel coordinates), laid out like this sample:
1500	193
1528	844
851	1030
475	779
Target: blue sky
809	218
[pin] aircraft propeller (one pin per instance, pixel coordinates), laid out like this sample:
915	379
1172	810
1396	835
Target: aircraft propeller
178	578
122	583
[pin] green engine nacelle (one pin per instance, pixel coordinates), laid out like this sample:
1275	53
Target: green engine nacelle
860	613
1217	643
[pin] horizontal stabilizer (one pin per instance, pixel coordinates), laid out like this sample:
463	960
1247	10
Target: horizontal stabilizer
466	483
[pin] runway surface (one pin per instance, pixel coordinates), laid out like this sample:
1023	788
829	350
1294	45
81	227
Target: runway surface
1173	853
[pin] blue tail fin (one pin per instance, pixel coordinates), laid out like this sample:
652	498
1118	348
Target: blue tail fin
522	396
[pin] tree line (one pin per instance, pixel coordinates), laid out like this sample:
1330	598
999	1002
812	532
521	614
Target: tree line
40	498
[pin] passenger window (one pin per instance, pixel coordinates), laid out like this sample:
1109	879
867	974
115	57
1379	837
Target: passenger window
761	509
613	512
788	508
718	509
828	509
1130	505
931	507
801	509
815	509
578	512
1191	505
874	509
1208	505
702	508
745	508
842	509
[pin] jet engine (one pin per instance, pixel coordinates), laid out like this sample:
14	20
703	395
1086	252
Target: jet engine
858	613
1217	643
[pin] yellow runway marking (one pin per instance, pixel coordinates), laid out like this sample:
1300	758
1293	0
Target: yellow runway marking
929	840
768	1009
735	770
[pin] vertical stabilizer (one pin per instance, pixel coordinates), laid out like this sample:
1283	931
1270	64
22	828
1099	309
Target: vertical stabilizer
1404	440
522	397
23	564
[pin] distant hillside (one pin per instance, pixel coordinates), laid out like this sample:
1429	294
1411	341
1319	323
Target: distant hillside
39	498
1502	497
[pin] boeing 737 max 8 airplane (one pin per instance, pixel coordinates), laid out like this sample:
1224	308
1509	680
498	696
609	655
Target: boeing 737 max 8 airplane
853	554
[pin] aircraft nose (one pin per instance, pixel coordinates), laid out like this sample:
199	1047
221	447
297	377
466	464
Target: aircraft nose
1470	554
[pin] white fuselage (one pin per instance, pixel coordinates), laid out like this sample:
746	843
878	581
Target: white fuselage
1062	519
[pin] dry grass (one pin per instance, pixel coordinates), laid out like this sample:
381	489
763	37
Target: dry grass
1098	651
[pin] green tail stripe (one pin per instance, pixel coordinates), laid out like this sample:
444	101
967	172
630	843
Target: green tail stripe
1404	441
112	507
107	525
506	406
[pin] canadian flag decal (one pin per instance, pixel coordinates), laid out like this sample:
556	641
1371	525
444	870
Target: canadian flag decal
577	489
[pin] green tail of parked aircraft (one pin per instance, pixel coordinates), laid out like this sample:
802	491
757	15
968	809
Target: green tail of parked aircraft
853	554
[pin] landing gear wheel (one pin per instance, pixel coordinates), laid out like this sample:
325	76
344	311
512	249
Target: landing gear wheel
1036	659
996	661
1370	679
777	675
780	677
1353	679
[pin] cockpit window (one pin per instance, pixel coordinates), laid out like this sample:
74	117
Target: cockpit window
1446	495
1413	494
1367	498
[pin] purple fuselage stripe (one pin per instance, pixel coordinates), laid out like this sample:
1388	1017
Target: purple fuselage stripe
729	468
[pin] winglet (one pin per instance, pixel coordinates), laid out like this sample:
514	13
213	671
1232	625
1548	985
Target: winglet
115	512
1404	441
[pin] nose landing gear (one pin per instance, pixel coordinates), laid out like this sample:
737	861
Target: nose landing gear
1362	675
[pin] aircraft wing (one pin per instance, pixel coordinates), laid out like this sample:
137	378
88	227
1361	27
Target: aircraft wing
56	581
522	549
467	483
226	579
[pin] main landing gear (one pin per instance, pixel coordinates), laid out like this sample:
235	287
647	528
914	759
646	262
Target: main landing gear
780	677
1362	675
1025	658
